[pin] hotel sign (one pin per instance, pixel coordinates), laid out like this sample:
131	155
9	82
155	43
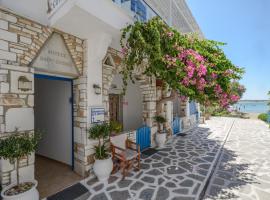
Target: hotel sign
55	58
53	5
97	114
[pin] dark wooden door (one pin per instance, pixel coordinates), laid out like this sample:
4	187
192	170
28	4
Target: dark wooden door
114	109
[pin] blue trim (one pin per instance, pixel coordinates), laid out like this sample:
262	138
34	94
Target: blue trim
42	76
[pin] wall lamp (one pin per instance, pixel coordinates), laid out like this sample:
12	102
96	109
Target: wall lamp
97	89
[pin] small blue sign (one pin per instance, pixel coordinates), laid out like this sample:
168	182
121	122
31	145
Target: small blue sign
97	114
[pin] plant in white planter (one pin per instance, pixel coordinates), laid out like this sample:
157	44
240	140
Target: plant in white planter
103	165
161	134
14	149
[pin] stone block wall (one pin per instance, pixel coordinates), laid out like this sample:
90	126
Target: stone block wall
20	42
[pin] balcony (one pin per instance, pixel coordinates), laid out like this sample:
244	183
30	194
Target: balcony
137	9
174	12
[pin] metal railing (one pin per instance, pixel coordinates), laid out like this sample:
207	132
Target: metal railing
137	9
174	12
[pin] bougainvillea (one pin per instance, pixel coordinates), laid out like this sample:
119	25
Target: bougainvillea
194	67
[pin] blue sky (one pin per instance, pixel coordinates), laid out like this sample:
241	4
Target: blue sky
245	26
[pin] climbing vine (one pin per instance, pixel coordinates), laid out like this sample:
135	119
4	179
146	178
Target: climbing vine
192	66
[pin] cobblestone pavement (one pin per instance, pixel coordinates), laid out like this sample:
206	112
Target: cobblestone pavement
177	172
243	171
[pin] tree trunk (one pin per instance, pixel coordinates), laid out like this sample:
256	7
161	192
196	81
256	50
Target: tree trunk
17	170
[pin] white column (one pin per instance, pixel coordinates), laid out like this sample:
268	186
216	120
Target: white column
187	109
97	48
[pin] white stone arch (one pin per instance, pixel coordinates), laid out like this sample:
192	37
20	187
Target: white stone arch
147	86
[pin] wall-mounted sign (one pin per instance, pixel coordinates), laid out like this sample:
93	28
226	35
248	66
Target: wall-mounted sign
53	5
24	84
55	58
97	114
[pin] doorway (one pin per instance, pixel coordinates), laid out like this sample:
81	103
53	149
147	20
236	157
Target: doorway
115	108
53	117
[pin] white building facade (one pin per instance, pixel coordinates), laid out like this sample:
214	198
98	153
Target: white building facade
43	43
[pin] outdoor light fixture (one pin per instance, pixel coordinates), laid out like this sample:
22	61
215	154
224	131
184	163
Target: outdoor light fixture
97	89
24	84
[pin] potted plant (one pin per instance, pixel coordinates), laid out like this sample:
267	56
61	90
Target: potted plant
103	162
14	149
161	134
115	128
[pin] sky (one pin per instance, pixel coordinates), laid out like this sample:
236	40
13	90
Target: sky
245	26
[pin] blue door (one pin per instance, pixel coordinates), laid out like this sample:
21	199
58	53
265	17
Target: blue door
176	125
143	137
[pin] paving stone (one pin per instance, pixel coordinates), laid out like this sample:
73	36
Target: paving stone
111	188
187	183
214	190
175	170
137	186
154	172
186	166
160	181
92	181
162	194
183	155
209	158
148	161
225	175
219	181
147	194
98	187
100	196
124	183
166	161
202	172
196	189
181	191
145	166
148	179
166	149
157	165
163	154
120	195
138	175
196	177
112	179
204	166
156	157
170	185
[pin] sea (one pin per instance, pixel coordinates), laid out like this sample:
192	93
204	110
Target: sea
252	106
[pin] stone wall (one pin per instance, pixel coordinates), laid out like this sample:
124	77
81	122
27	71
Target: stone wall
20	42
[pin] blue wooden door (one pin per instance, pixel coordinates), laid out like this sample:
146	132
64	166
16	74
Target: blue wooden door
176	125
143	137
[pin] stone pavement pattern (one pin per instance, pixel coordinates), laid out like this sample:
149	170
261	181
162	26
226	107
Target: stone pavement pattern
244	169
177	172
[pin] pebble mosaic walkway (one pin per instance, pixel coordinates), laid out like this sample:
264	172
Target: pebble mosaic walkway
243	171
177	172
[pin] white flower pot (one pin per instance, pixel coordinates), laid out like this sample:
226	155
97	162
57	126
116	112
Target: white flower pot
31	194
103	169
161	139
